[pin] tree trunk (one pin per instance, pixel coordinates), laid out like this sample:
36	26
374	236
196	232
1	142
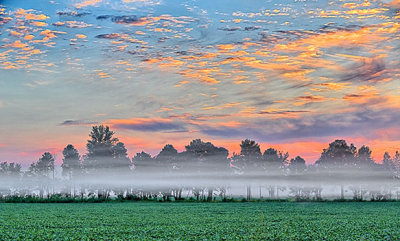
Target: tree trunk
277	192
341	192
210	194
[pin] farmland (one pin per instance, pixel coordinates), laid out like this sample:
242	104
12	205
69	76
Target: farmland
194	221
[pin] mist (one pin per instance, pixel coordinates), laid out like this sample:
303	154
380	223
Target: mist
203	172
310	184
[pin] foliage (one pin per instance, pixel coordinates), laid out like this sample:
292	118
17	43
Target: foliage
10	169
71	161
338	154
43	166
201	221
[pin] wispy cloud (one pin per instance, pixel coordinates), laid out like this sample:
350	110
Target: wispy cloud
148	124
77	123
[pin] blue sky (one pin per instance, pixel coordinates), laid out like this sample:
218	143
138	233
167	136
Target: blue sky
294	75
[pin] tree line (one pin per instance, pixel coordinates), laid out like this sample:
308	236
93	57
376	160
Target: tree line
107	157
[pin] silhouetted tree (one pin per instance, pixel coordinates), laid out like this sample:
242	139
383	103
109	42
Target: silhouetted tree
167	159
274	160
363	158
121	159
143	162
205	157
396	164
249	160
10	169
44	166
387	161
297	165
71	165
251	156
338	154
100	148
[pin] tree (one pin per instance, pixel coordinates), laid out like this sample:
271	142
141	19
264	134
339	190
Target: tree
71	162
10	169
168	157
363	158
168	161
121	159
249	160
387	161
396	164
274	160
250	148
338	154
251	153
100	148
143	162
44	166
205	158
297	165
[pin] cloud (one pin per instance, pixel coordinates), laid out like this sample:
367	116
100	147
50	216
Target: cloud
72	24
77	123
366	70
128	19
361	122
72	13
149	125
87	3
281	113
395	4
109	36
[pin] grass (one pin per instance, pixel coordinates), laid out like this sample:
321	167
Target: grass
199	221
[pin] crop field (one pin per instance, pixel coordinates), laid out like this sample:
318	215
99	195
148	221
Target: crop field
200	221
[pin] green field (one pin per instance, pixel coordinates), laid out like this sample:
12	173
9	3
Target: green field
200	221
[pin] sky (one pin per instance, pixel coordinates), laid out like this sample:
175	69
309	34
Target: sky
293	75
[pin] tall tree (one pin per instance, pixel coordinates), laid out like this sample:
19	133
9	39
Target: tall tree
168	161
251	155
71	165
100	148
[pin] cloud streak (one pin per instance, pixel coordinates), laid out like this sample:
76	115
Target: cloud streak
148	125
77	123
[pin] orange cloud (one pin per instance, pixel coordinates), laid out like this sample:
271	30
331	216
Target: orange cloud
87	3
30	16
395	4
16	44
81	36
